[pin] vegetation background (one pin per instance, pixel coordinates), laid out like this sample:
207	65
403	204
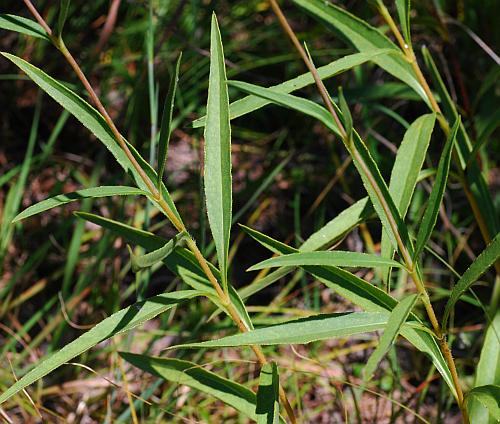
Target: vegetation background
59	275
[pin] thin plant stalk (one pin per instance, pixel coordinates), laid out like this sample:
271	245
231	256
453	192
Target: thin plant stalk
410	264
179	226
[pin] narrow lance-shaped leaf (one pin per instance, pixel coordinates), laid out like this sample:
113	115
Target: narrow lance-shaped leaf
487	371
306	330
346	113
120	322
61	199
327	258
398	317
487	257
489	397
196	377
152	258
22	25
405	171
61	19
267	410
251	103
365	38
93	121
218	186
166	122
431	212
403	8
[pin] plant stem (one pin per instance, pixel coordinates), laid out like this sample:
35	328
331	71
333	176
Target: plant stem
403	250
224	298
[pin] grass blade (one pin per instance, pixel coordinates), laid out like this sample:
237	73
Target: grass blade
365	38
22	25
120	322
196	377
432	210
327	258
398	317
62	199
302	331
488	370
251	103
489	397
218	185
166	122
480	265
268	410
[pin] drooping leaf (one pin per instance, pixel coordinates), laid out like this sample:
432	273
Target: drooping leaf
480	265
403	8
93	121
251	103
217	179
365	38
289	101
152	258
267	409
338	226
62	199
489	397
120	322
431	212
396	320
487	371
327	258
196	377
166	122
22	25
302	331
407	165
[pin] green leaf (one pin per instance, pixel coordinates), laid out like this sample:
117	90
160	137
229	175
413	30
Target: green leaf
365	38
289	101
339	226
327	258
62	199
22	26
407	166
267	409
396	320
251	103
302	331
152	258
218	186
346	113
166	122
120	322
431	212
196	377
93	121
489	397
487	257
487	371
61	19
403	8
181	262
